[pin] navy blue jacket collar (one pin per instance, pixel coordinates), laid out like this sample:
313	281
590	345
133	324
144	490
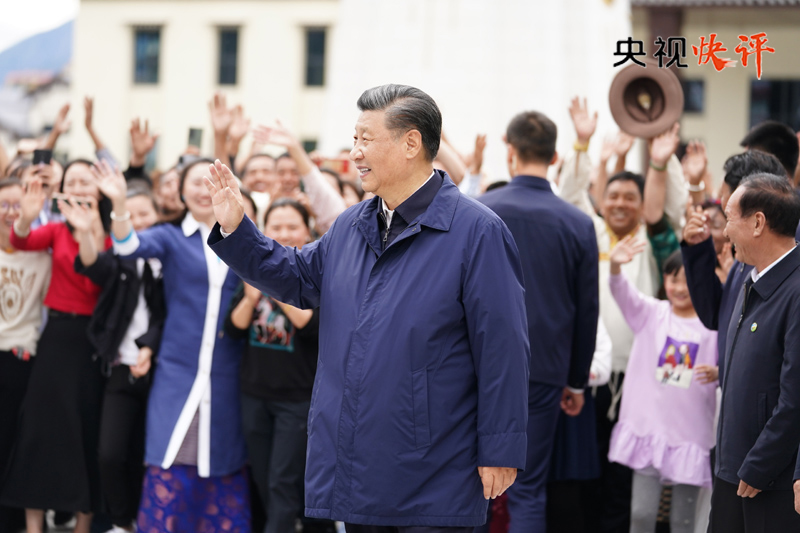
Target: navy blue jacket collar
535	182
773	279
416	204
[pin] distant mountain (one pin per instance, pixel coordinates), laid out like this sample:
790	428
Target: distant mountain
47	51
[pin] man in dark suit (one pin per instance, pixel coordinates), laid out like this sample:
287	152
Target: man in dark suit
759	423
558	249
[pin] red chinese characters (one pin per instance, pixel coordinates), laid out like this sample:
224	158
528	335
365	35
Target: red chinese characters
753	45
709	50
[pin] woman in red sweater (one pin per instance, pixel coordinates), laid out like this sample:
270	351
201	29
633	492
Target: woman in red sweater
54	463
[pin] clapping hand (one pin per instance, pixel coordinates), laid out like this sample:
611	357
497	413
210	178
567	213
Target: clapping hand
584	123
225	196
624	252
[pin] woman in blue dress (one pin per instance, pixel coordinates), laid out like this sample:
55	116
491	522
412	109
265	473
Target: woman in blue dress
195	450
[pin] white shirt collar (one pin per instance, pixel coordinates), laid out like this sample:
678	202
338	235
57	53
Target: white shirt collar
190	225
388	213
758	275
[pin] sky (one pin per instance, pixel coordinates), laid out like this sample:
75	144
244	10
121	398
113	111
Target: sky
23	18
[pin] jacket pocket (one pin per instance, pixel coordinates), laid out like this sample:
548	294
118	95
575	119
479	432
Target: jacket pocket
762	410
419	390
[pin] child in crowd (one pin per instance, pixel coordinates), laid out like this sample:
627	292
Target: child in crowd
666	421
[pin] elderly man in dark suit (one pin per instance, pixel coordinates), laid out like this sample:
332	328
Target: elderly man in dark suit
558	249
759	424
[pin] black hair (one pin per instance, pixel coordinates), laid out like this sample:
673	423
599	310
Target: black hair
336	177
294	204
104	203
738	166
496	185
626	175
284	155
713	204
673	264
774	196
9	182
407	108
534	137
184	172
252	158
140	187
777	139
17	167
358	190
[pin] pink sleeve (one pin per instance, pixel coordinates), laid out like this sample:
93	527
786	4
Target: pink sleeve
38	239
635	306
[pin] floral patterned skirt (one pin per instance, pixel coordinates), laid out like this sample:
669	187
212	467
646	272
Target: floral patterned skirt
179	500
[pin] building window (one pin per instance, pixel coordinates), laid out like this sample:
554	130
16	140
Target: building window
315	57
693	95
775	100
228	55
147	47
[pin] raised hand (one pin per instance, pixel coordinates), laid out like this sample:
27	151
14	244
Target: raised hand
622	144
584	123
695	162
61	125
277	135
141	142
225	196
221	116
80	215
111	182
624	252
607	150
240	124
664	146
697	228
32	202
477	155
88	113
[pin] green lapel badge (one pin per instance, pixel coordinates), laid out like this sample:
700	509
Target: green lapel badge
754	327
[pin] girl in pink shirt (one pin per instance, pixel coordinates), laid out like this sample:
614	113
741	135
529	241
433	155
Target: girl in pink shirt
666	422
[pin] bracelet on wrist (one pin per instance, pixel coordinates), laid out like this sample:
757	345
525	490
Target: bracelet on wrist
123	218
581	147
700	187
658	168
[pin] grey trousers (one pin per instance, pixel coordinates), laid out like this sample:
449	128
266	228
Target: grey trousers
645	500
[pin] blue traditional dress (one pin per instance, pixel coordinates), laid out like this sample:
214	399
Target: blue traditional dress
194	400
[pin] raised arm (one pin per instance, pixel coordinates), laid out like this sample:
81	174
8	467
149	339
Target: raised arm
451	161
142	143
700	262
240	126
100	148
221	120
664	181
30	206
289	275
577	168
61	125
631	302
326	202
695	166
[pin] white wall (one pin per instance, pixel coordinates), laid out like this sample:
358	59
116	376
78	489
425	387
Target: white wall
270	70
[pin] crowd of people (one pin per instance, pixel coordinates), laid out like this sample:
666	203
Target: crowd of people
145	385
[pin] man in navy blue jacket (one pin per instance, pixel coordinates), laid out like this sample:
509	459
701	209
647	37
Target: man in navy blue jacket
558	248
759	423
419	409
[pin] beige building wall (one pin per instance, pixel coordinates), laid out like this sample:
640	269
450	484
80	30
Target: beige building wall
270	77
726	112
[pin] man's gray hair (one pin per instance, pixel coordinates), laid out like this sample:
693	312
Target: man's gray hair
407	108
